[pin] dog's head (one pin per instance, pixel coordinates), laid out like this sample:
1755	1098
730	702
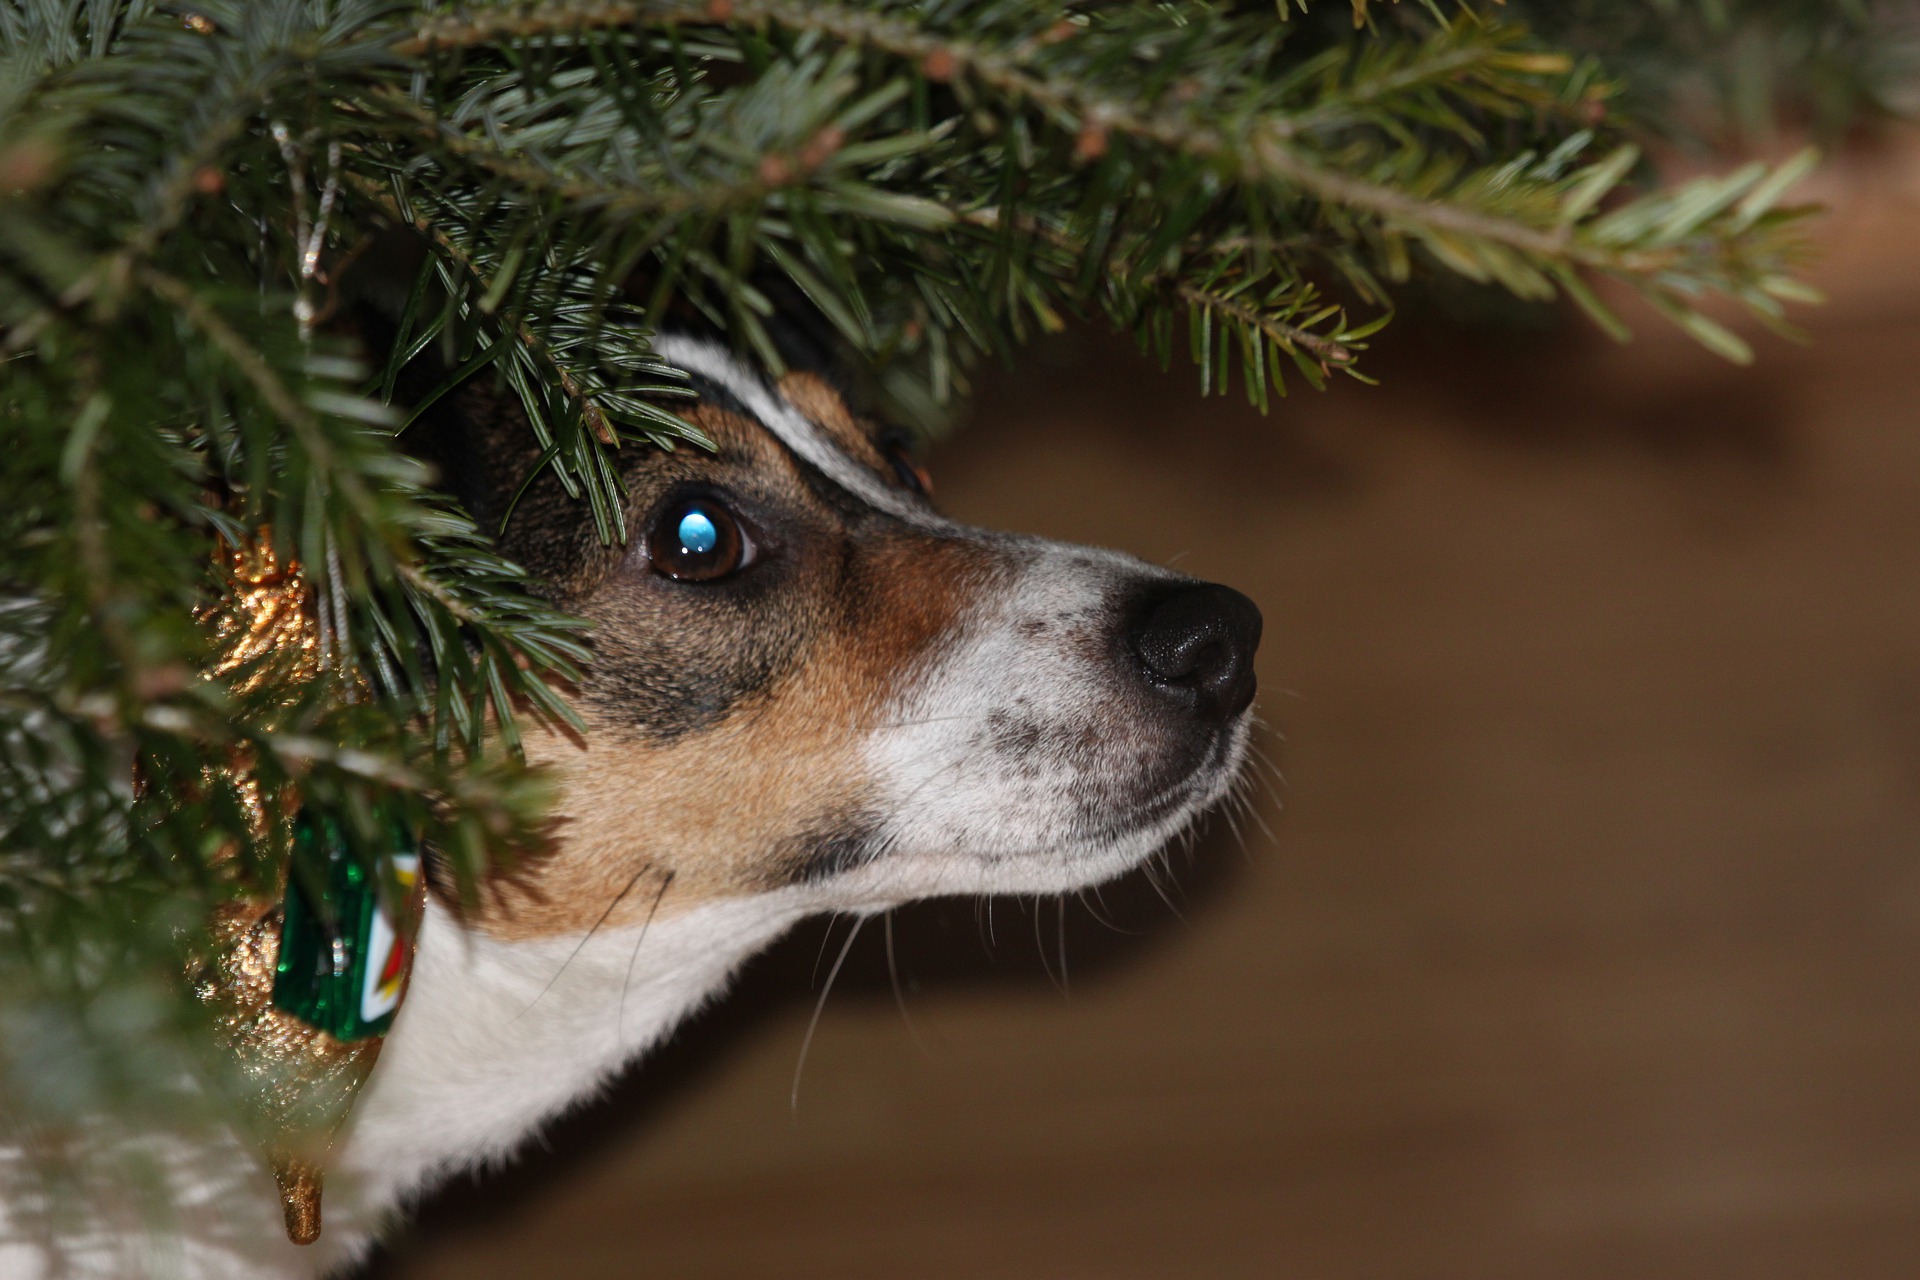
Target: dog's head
807	680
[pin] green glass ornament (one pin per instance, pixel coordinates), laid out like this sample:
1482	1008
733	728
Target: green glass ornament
343	958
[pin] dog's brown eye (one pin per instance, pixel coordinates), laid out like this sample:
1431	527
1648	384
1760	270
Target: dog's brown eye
698	540
908	468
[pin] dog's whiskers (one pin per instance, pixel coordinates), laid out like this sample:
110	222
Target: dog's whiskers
820	953
1235	799
914	724
1248	801
818	1008
942	774
1260	726
1040	946
899	997
983	922
573	955
1102	913
626	984
1153	879
1060	928
1268	770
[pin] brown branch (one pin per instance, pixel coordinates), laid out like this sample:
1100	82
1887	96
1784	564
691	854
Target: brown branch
676	203
1262	155
1284	335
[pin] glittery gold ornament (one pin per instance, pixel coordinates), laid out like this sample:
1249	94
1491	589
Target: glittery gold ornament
265	611
299	1079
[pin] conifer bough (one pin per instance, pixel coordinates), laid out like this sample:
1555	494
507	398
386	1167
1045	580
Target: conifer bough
185	189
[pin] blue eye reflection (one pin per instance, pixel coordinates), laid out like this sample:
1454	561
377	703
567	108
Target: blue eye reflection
697	532
698	540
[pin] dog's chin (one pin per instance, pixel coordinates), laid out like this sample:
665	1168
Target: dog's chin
1090	849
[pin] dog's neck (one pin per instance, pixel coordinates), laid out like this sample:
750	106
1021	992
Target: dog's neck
494	1038
497	1037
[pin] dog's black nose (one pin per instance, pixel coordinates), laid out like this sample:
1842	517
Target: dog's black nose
1197	641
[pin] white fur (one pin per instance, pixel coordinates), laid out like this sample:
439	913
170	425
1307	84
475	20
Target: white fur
500	1037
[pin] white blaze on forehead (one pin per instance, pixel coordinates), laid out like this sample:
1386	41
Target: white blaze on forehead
791	427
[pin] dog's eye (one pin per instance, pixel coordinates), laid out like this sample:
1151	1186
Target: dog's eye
698	540
907	467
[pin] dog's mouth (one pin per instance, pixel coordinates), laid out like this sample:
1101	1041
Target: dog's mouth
1086	827
1170	808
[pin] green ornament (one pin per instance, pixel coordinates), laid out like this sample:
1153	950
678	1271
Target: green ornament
343	959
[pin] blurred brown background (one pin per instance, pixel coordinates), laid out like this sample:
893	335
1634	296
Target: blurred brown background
1586	940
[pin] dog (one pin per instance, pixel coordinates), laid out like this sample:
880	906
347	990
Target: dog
811	693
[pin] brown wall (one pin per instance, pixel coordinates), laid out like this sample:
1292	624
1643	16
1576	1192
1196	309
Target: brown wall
1586	942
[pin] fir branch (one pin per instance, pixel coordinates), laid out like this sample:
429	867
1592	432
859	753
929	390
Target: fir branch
272	389
1484	223
714	199
523	333
1287	337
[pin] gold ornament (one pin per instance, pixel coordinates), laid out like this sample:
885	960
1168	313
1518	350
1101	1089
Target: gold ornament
298	1081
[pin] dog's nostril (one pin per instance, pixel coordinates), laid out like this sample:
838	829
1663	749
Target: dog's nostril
1199	640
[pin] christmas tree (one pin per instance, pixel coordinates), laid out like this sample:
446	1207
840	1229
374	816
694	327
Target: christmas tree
199	202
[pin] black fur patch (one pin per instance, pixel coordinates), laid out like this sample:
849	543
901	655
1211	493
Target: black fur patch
815	856
673	660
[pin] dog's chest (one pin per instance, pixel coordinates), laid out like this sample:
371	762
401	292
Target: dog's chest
497	1037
